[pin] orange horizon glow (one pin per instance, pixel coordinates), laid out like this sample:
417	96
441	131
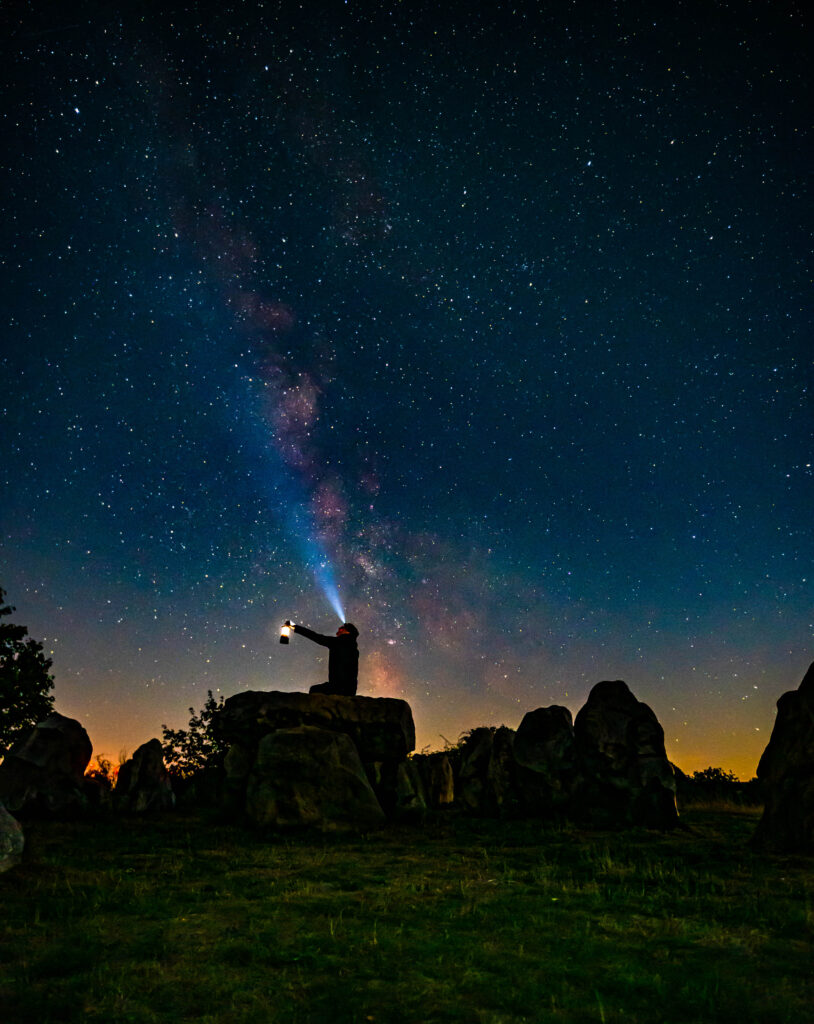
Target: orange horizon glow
739	755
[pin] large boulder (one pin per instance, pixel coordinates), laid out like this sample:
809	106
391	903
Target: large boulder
545	741
621	745
381	728
310	776
43	773
11	840
786	774
381	731
549	771
143	783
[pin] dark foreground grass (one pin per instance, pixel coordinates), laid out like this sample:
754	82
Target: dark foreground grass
179	919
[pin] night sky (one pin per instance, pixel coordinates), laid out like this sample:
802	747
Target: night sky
496	321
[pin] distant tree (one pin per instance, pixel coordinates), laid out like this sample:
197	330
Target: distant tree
25	682
101	770
716	786
715	776
187	752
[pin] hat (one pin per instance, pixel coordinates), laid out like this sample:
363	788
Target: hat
349	626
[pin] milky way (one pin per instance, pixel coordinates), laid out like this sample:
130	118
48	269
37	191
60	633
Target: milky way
490	331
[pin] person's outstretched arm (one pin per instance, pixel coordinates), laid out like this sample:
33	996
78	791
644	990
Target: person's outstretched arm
318	638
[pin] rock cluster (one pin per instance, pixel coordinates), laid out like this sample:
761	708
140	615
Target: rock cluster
786	774
607	768
318	759
343	762
336	762
339	762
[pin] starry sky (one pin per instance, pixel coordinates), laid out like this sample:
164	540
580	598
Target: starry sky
495	324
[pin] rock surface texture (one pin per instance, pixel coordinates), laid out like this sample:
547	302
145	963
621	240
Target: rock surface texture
381	727
143	783
549	771
628	779
437	779
486	783
318	759
786	774
11	840
310	776
42	774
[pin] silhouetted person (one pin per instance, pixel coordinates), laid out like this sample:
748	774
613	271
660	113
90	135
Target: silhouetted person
343	659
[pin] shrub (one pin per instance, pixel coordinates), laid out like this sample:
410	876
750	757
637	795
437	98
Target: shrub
188	753
716	786
101	770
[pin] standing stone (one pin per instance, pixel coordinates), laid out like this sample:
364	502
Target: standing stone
237	766
630	781
43	773
437	778
476	749
11	840
549	772
501	777
487	778
786	774
411	798
310	776
143	783
399	788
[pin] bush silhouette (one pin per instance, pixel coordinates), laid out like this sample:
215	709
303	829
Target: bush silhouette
190	752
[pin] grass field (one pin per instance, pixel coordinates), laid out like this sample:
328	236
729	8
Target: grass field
177	919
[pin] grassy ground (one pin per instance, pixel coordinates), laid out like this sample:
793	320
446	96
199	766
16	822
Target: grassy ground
177	919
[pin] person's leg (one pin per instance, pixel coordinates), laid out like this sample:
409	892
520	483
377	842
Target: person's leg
337	689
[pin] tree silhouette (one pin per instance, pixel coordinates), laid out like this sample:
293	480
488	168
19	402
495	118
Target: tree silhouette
715	776
25	681
187	752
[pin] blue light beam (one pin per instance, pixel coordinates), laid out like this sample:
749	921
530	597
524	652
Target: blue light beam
301	528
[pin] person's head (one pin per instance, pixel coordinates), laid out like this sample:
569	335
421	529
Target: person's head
348	629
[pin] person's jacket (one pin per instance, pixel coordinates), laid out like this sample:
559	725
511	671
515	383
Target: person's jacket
343	657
